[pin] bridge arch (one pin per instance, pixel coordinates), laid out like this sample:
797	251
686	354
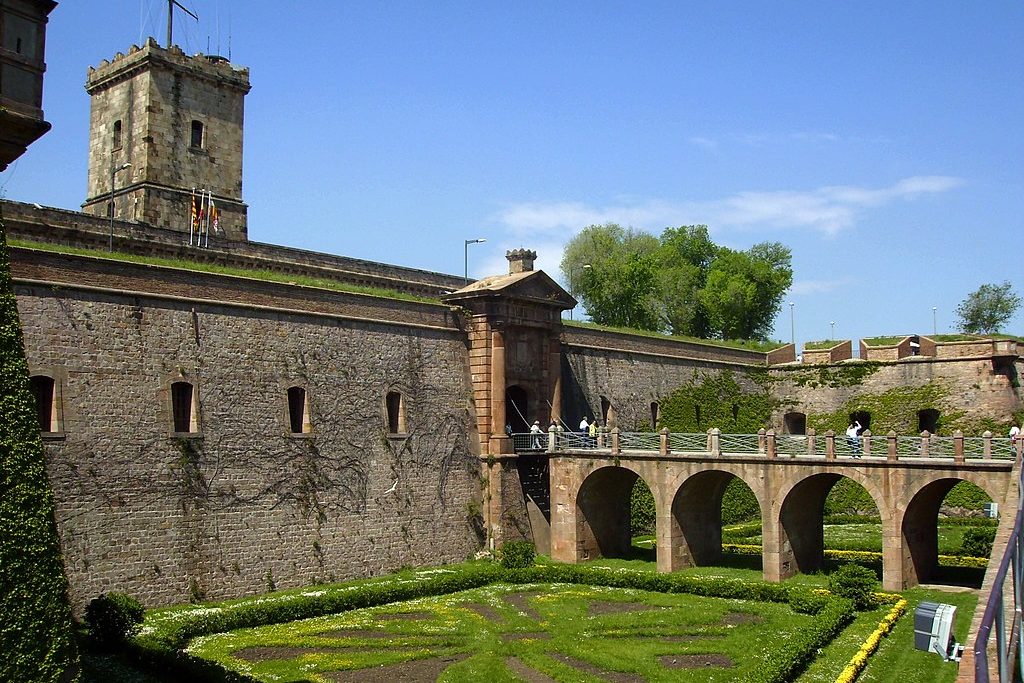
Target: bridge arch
797	534
919	531
603	513
693	536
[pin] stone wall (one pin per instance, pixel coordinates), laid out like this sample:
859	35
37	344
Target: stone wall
242	504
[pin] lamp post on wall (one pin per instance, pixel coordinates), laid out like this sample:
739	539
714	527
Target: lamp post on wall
585	266
113	176
935	328
792	324
465	254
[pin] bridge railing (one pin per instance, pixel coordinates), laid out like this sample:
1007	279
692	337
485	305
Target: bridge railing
769	444
1002	608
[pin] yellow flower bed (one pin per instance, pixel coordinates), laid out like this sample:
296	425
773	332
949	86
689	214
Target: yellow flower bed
860	660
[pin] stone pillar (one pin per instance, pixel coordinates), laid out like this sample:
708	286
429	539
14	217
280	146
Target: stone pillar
925	442
555	370
760	440
987	446
866	442
499	442
891	437
563	510
715	436
811	438
830	445
663	441
615	441
552	438
770	444
958	447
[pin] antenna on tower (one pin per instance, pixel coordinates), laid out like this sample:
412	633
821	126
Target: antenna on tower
170	18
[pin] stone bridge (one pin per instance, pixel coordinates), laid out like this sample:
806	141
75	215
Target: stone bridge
590	491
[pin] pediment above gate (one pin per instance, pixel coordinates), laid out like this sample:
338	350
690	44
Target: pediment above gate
533	286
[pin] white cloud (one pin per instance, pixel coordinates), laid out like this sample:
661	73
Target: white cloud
828	210
800	287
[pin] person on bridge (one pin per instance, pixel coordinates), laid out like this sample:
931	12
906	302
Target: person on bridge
853	438
1015	435
584	430
592	433
535	432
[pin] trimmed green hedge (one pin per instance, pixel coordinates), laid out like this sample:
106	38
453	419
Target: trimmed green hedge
35	632
168	631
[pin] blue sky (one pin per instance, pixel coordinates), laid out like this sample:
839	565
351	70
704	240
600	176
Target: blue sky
881	141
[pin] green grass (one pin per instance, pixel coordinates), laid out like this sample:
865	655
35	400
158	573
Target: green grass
821	344
746	344
883	341
564	622
263	275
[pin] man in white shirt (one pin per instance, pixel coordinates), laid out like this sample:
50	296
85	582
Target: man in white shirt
853	438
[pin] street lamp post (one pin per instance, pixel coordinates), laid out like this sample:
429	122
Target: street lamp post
465	255
792	324
935	328
585	266
832	334
113	175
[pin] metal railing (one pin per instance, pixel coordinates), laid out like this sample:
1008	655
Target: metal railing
769	444
1012	641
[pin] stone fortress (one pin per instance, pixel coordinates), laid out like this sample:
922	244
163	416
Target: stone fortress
213	435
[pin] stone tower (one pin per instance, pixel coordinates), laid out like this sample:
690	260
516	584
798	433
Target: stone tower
177	120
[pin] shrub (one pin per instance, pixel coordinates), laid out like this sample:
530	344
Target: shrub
739	504
978	541
113	618
856	583
966	495
806	601
517	554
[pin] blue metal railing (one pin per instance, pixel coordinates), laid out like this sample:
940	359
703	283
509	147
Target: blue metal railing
995	611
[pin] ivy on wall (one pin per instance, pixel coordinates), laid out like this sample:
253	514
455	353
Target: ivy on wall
833	376
35	632
895	410
718	400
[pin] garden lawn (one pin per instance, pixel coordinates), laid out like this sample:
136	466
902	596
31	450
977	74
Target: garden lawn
566	632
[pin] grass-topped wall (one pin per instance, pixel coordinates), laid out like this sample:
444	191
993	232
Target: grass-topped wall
35	632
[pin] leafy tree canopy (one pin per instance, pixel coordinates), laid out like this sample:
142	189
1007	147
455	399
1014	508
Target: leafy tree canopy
988	308
681	283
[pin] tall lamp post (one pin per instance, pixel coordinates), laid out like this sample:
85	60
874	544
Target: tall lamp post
832	334
585	266
465	255
113	175
935	327
792	324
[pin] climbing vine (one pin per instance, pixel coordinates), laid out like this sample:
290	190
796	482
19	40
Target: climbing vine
35	634
895	410
832	376
719	400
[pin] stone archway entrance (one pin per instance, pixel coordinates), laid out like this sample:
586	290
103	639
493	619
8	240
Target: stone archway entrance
517	410
603	514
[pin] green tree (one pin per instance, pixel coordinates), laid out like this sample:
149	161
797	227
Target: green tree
682	283
35	633
988	308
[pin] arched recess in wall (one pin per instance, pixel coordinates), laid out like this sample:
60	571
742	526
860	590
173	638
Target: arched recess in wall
603	514
655	415
517	409
299	421
794	423
47	392
609	416
696	521
184	408
928	420
395	413
863	417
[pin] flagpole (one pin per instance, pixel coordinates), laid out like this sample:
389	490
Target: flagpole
191	216
209	203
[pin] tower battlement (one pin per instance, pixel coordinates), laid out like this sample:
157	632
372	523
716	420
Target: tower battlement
163	127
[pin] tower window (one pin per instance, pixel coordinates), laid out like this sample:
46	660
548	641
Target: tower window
117	134
395	406
197	134
47	409
298	411
183	406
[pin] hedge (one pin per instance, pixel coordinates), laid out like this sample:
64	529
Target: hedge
35	633
162	641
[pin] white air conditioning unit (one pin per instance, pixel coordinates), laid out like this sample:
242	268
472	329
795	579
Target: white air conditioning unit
933	630
991	510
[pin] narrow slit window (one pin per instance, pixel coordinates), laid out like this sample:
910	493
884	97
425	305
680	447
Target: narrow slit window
198	131
396	413
46	407
183	406
655	415
298	411
117	134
